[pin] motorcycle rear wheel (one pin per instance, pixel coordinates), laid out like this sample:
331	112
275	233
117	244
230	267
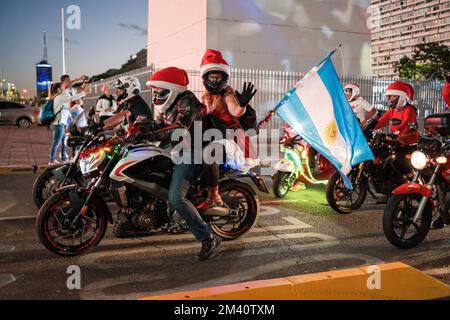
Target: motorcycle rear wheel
52	214
244	204
398	217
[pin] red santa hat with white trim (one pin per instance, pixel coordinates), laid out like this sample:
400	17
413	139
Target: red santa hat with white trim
403	90
213	61
172	78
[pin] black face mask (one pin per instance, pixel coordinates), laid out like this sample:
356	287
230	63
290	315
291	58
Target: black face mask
215	87
159	98
392	104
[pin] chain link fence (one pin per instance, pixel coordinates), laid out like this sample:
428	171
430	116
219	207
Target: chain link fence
273	85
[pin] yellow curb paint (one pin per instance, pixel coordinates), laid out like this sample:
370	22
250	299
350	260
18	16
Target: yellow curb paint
397	281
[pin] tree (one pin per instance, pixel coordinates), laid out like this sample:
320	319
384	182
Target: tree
428	62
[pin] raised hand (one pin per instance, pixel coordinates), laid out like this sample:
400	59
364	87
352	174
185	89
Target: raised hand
247	94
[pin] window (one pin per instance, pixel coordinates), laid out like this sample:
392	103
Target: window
10	106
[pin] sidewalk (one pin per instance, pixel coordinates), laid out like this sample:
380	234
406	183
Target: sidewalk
24	148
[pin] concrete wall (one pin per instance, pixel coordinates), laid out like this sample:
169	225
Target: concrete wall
288	35
176	32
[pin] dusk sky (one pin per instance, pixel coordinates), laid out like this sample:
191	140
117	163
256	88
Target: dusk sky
111	31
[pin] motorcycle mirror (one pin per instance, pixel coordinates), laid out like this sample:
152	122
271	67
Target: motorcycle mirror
395	122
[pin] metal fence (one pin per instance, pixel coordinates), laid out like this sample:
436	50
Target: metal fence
273	85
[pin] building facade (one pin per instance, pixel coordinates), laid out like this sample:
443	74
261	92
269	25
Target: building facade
288	35
399	25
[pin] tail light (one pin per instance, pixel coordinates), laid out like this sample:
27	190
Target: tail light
37	111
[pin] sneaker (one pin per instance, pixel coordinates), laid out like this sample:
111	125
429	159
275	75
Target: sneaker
208	247
210	202
299	186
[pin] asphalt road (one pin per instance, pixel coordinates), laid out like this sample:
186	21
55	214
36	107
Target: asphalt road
299	235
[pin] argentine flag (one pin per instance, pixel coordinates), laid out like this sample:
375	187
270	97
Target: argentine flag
318	110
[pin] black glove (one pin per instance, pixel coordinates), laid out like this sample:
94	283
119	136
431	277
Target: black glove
247	94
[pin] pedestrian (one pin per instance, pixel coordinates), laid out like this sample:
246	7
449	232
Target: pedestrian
446	90
106	105
61	109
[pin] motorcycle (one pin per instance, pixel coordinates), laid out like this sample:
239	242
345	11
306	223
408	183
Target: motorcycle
74	221
301	163
389	170
409	213
55	177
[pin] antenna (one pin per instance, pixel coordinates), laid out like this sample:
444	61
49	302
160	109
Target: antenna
45	48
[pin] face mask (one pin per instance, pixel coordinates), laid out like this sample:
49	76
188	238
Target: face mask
159	98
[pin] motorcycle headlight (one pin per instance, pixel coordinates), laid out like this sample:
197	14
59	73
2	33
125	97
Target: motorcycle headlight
419	160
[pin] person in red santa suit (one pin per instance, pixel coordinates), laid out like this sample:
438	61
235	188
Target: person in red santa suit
446	90
400	99
226	109
363	110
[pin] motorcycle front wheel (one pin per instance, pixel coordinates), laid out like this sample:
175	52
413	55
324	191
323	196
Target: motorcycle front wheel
282	183
398	225
55	233
244	206
343	200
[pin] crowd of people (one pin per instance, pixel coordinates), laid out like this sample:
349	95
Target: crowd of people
220	107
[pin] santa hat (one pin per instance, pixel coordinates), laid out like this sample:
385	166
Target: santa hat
403	90
213	61
170	78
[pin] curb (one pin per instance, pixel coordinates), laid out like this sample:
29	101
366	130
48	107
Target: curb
5	170
398	282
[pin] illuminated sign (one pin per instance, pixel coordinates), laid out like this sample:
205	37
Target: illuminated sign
43	79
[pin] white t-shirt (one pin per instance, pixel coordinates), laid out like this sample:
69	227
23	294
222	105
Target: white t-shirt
105	109
79	115
361	108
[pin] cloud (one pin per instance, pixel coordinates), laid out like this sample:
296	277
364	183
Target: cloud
134	28
67	40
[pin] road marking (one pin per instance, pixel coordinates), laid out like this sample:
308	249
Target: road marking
6	279
6	249
17	218
8	207
96	290
265	211
438	272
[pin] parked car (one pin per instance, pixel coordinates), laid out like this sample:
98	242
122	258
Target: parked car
13	113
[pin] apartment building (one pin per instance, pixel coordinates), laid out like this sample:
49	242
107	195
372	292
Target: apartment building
399	25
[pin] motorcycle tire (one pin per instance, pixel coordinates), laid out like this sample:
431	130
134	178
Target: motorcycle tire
331	192
252	209
96	209
390	222
281	185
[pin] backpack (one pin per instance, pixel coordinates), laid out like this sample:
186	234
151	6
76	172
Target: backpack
47	116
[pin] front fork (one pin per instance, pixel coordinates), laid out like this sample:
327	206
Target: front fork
424	200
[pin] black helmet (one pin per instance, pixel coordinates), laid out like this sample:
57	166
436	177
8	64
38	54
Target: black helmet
215	81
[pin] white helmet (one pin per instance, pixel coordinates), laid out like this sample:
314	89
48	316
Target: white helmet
130	84
356	91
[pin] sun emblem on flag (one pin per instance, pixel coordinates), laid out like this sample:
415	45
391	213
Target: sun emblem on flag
331	132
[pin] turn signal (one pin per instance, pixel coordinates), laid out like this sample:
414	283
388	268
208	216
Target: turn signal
441	160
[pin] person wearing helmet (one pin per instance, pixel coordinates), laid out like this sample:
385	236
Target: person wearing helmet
226	109
179	108
128	95
400	99
363	110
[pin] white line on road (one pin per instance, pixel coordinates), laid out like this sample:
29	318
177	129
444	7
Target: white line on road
6	249
18	218
438	272
265	211
6	279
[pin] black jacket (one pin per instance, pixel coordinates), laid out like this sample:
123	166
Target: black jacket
138	107
182	114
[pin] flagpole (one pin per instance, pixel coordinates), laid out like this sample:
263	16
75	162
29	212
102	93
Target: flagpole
63	39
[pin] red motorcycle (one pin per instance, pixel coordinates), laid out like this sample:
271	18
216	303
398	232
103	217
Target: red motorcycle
409	213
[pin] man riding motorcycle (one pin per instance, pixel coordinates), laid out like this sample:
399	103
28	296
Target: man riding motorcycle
178	109
363	110
400	96
128	93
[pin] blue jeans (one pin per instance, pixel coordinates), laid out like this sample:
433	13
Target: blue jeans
58	140
182	178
